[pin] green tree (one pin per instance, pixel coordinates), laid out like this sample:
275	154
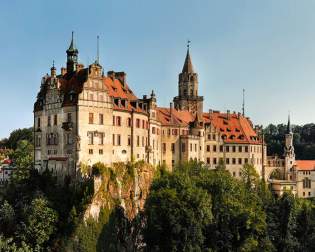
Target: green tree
18	135
250	176
23	159
39	223
7	218
177	213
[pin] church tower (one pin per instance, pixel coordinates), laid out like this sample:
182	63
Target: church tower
72	57
188	98
289	155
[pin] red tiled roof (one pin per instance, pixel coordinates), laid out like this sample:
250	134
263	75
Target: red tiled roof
305	165
236	128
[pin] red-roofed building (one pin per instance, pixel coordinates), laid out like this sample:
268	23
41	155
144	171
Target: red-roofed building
83	116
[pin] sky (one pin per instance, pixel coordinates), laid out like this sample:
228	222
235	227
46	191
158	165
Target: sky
266	47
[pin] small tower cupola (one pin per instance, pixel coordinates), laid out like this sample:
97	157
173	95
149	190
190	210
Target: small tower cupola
53	70
72	56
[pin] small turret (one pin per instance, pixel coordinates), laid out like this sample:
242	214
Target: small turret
72	56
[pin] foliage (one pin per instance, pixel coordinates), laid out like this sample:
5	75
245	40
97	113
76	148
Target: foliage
303	140
16	136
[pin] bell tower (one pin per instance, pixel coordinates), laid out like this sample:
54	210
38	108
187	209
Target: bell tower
188	98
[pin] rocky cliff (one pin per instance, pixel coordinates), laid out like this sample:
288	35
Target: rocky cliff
125	185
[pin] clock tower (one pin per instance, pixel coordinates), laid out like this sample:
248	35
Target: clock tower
188	98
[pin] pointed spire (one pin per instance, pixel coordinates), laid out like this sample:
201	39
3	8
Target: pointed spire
289	129
72	47
243	104
188	66
97	50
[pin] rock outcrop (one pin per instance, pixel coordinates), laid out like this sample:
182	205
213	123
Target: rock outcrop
125	185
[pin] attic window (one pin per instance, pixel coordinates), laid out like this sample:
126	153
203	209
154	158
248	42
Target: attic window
241	137
223	137
222	130
115	89
237	130
225	122
228	129
232	137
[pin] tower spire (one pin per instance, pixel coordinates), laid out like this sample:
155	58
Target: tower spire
243	104
188	66
289	130
98	50
72	55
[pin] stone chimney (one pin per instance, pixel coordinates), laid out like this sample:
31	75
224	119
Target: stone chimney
121	76
63	71
111	74
228	114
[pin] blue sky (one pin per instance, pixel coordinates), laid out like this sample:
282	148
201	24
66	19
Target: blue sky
266	47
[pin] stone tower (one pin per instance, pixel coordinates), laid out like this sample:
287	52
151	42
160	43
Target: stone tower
289	155
188	98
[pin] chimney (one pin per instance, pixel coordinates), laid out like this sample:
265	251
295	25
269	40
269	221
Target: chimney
171	111
228	115
121	76
63	71
111	74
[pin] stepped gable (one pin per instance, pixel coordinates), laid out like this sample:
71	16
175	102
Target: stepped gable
305	165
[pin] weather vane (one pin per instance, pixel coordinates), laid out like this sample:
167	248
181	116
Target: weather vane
188	43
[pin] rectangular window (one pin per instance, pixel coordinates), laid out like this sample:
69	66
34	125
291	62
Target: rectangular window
174	132
173	148
208	160
129	140
164	147
215	161
195	147
208	148
91	118
118	140
38	122
90	151
239	148
153	130
213	137
239	161
90	136
69	139
114	121
69	117
221	148
233	161
113	139
138	141
55	120
49	121
138	123
209	137
143	124
214	148
191	147
246	160
118	120
246	148
227	148
100	151
101	119
129	122
143	141
183	147
227	160
100	138
234	149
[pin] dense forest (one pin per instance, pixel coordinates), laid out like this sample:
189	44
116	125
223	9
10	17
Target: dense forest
190	209
303	140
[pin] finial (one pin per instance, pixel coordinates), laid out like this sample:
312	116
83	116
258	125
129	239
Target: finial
152	93
97	50
243	105
188	44
53	64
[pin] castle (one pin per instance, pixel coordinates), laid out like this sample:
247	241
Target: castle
82	117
